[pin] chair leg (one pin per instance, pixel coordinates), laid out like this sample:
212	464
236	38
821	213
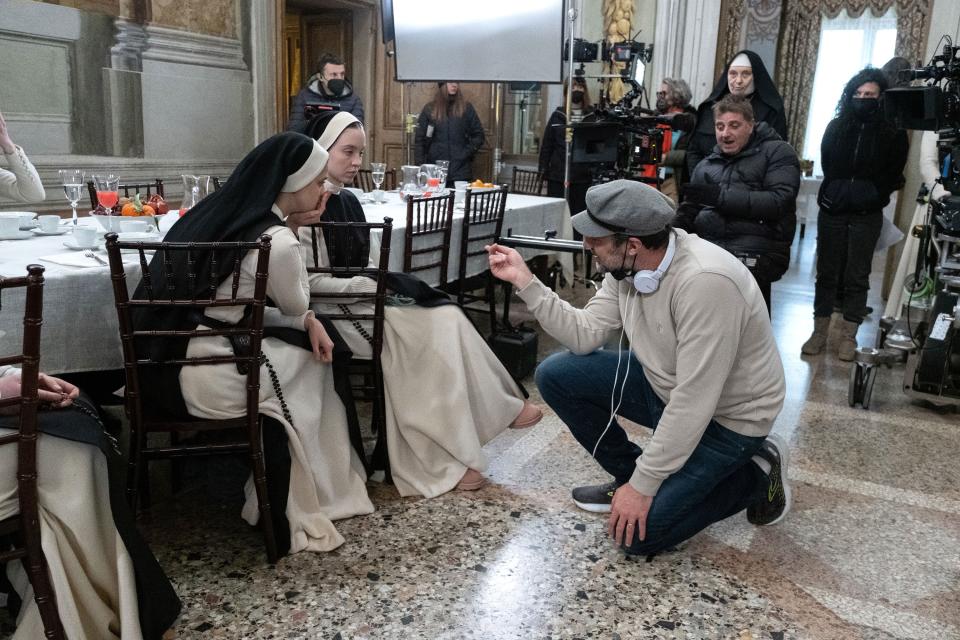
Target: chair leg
134	465
36	566
263	498
380	458
492	303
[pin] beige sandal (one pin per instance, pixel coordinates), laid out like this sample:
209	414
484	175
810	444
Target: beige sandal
529	416
471	481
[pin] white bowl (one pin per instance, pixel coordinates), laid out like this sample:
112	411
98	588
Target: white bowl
26	218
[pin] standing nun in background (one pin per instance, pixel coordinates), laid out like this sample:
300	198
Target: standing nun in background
446	393
282	176
744	76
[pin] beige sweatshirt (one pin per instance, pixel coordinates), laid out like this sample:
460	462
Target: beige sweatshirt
704	340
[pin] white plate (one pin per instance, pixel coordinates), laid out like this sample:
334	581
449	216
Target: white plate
58	232
69	244
20	235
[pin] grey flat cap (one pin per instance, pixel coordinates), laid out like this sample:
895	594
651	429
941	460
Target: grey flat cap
624	206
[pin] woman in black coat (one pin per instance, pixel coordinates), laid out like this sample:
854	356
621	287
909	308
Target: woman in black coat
553	148
863	158
746	76
449	129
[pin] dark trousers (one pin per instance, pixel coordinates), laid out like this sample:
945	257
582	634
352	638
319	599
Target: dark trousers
717	480
845	244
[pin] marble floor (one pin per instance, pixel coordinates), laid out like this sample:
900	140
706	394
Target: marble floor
871	549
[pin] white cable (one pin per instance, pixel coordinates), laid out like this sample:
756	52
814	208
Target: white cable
613	390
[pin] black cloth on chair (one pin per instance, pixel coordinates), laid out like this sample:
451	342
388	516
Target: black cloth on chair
157	602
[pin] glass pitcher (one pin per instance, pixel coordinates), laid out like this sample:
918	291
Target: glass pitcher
410	183
195	189
428	178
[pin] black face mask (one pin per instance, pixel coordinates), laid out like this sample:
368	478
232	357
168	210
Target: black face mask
577	97
661	104
865	108
336	86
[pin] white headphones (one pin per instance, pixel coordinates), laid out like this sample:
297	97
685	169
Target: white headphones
648	281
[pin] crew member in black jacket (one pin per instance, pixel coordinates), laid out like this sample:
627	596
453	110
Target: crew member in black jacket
449	129
863	158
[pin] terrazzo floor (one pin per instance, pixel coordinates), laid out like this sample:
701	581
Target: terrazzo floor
870	550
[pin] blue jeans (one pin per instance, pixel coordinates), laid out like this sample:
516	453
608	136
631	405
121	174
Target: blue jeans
717	480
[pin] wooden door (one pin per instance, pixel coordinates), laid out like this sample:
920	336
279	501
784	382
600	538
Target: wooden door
392	100
326	32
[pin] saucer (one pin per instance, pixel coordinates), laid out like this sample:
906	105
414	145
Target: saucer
58	232
69	244
19	235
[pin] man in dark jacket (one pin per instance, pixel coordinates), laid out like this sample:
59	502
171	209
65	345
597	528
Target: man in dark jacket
743	196
327	89
744	76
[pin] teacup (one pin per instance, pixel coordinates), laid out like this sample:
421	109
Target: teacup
9	226
379	195
135	226
84	237
49	224
460	185
459	196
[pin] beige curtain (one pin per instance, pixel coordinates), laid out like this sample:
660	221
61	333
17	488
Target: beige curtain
800	39
732	13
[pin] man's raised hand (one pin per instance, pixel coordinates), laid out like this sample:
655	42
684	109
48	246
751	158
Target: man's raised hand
506	264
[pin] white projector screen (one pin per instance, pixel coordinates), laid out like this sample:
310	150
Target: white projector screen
470	41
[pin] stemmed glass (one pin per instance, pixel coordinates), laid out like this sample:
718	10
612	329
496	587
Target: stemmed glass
377	173
72	181
107	185
443	168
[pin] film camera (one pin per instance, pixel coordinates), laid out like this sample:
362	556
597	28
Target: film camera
928	332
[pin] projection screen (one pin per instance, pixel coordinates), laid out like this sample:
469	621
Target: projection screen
470	41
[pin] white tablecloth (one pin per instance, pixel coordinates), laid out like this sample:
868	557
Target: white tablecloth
80	330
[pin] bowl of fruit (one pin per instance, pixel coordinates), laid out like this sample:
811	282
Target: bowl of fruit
129	209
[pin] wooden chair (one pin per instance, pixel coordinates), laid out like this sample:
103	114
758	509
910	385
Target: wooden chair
129	188
369	372
429	226
528	182
364	180
24	527
482	221
146	419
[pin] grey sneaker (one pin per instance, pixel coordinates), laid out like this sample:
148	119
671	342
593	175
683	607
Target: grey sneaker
772	508
596	497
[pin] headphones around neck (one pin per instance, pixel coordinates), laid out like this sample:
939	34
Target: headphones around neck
648	281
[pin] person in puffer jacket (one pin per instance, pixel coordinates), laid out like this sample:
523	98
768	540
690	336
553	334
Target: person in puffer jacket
743	195
326	90
449	129
863	158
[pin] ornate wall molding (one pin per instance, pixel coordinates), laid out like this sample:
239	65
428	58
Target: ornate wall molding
131	40
182	47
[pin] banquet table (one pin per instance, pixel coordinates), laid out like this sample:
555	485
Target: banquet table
80	331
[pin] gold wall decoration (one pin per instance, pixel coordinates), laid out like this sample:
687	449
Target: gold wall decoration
617	22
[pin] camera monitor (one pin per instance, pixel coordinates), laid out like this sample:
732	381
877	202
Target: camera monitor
595	143
914	107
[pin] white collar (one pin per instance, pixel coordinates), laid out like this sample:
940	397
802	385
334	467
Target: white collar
277	210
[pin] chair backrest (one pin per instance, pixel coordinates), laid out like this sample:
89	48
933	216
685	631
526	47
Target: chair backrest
527	182
26	440
482	221
324	232
364	180
128	189
158	300
428	231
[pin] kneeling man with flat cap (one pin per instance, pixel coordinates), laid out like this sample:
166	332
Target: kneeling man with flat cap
702	371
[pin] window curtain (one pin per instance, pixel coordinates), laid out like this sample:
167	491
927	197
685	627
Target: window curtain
800	39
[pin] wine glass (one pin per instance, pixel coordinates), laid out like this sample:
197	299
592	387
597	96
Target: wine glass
107	185
377	173
72	181
443	168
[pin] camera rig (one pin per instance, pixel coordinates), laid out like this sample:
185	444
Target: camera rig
927	334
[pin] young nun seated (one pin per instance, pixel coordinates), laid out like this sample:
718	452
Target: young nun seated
446	393
282	176
106	582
